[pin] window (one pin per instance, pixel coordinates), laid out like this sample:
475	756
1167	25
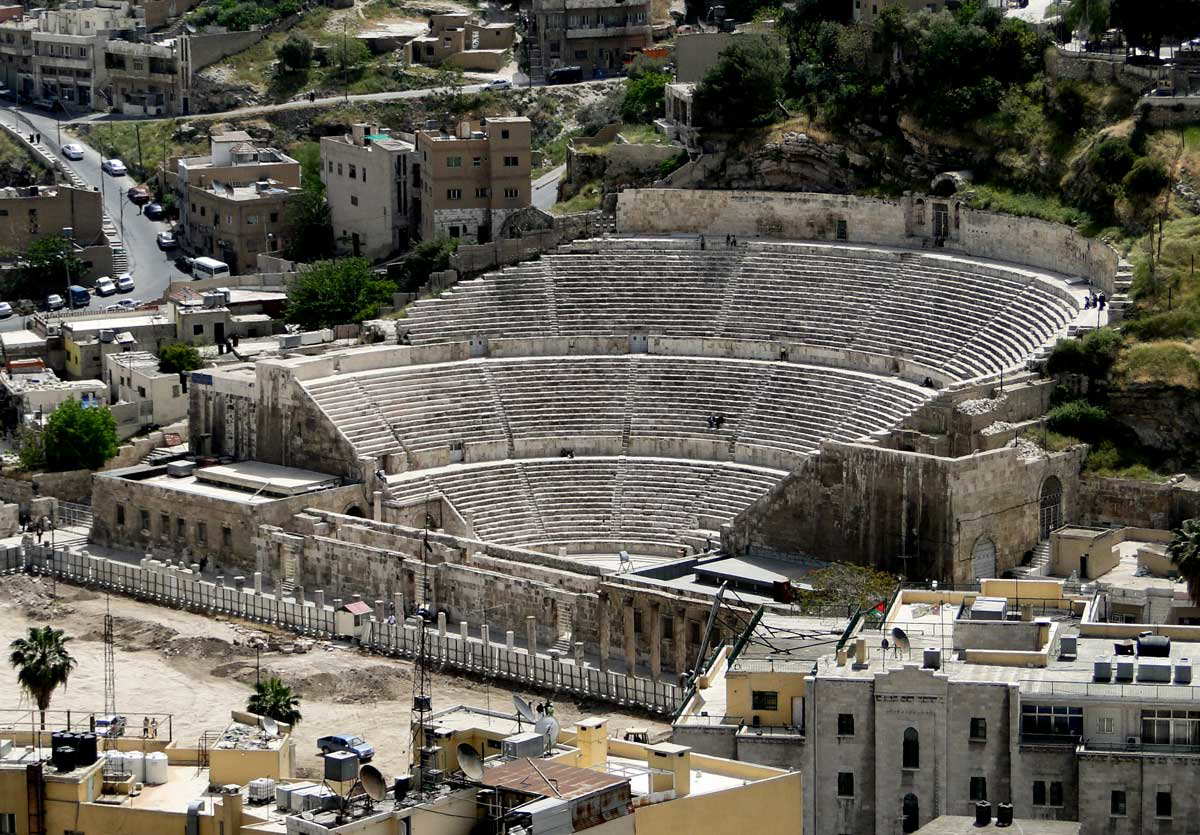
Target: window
455	232
764	700
352	171
581	55
481	192
353	199
331	166
274	217
1104	725
197	330
1164	727
226	536
845	786
180	528
252	220
339	169
694	631
842	232
504	133
120	516
911	753
144	518
512	161
637	622
1052	721
202	211
175	391
141	391
201	532
164	523
1116	803
1056	793
668	627
1162	803
476	162
978	727
512	193
978	788
845	724
8	824
454	162
1039	792
454	194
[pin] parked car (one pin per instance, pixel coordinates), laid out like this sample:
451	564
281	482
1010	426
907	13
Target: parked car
105	286
346	742
138	195
114	167
113	308
5	310
184	264
166	240
129	304
110	726
54	302
565	75
7	94
154	211
498	84
79	296
44	104
72	151
125	283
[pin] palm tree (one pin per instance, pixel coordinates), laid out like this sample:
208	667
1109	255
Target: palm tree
1184	551
275	699
42	663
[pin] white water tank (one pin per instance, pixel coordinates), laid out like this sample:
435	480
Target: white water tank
114	761
135	764
262	789
156	768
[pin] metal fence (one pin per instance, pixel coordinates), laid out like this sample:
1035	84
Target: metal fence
154	582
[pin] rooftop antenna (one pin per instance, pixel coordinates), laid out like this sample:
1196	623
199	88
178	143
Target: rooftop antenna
422	700
524	711
110	663
470	762
900	640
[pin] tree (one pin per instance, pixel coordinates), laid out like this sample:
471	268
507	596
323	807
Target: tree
644	93
1146	179
346	57
745	85
275	699
296	53
50	265
1184	553
43	664
309	224
426	258
1145	23
336	292
76	438
177	357
1089	16
31	449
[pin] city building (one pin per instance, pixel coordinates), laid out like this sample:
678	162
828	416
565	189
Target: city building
29	392
144	78
473	179
462	41
133	377
31	213
599	36
371	184
232	200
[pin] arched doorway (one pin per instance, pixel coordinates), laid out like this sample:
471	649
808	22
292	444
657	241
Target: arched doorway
983	558
355	510
910	811
1049	507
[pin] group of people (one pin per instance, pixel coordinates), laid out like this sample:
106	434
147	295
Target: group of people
566	452
149	728
730	241
1095	301
716	421
39	527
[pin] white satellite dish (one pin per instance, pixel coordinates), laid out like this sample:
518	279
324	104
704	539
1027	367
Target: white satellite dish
547	726
470	762
373	783
900	639
269	725
524	709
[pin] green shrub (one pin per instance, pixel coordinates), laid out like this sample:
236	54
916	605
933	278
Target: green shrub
1079	419
1166	363
177	357
1180	323
1092	356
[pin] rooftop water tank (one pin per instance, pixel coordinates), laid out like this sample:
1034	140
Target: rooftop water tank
1154	646
1183	671
156	768
261	790
1124	669
1102	669
135	764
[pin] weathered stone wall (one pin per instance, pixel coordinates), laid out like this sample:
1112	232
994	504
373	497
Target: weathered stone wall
870	505
1081	66
1129	502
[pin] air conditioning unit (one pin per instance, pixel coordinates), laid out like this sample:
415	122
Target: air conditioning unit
289	340
181	469
519	746
1133	740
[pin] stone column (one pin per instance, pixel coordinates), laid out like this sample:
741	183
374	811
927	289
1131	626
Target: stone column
654	632
485	639
258	582
380	614
605	638
579	654
319	598
378	506
630	637
680	638
441	624
463	631
398	602
299	594
531	634
510	640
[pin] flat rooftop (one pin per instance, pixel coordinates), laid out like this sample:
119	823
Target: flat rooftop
550	778
965	825
242	737
91	327
270	478
21	339
141	360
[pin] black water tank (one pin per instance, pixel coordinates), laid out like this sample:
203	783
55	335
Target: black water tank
63	758
85	744
1004	814
983	813
400	787
56	740
1154	646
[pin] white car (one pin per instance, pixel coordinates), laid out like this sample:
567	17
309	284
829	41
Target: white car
72	151
54	302
498	84
105	286
5	310
114	167
125	283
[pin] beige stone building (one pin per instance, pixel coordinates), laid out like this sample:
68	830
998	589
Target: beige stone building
133	377
35	212
463	41
232	201
145	78
368	176
473	179
598	36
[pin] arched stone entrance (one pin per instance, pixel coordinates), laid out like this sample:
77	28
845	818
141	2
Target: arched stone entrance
983	558
1049	507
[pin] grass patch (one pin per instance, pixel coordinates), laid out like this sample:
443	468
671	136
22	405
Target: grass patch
157	143
1110	461
13	153
1050	441
1164	363
643	135
585	200
999	198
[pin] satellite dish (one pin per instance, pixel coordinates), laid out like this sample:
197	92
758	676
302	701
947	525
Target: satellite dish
470	762
900	638
372	782
547	726
884	643
269	725
524	709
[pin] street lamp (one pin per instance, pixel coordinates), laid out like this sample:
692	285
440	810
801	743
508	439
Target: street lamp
68	234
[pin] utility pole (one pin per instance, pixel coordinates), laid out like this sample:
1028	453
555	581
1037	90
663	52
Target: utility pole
137	131
345	81
110	665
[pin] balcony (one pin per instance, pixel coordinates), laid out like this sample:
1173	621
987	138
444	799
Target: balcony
1091	746
612	31
1065	740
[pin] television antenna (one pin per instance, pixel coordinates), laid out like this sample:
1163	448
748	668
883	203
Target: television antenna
422	698
110	662
900	640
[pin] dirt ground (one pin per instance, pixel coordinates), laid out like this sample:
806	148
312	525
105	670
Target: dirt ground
199	668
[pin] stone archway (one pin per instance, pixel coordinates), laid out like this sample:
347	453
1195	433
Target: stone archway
524	221
1049	507
355	510
983	558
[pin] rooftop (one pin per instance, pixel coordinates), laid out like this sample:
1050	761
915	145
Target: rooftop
240	736
266	190
244	482
44	379
141	360
965	825
116	322
550	778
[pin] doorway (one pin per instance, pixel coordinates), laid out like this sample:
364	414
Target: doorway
1049	507
219	332
910	812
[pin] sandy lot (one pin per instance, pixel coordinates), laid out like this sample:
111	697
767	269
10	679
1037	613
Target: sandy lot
199	668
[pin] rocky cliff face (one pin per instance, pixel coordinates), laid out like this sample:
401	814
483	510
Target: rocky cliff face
1164	418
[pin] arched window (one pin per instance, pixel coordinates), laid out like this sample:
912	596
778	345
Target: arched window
910	810
912	748
1050	506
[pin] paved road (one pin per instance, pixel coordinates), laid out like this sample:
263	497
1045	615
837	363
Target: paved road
152	269
545	188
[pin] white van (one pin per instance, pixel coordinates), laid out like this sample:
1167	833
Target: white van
209	268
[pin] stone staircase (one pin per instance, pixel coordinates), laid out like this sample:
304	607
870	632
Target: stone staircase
1039	566
537	71
1120	301
120	259
564	644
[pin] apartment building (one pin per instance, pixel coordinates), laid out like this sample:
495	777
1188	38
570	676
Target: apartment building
145	79
232	200
34	212
133	377
369	178
1023	693
473	179
463	41
599	36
